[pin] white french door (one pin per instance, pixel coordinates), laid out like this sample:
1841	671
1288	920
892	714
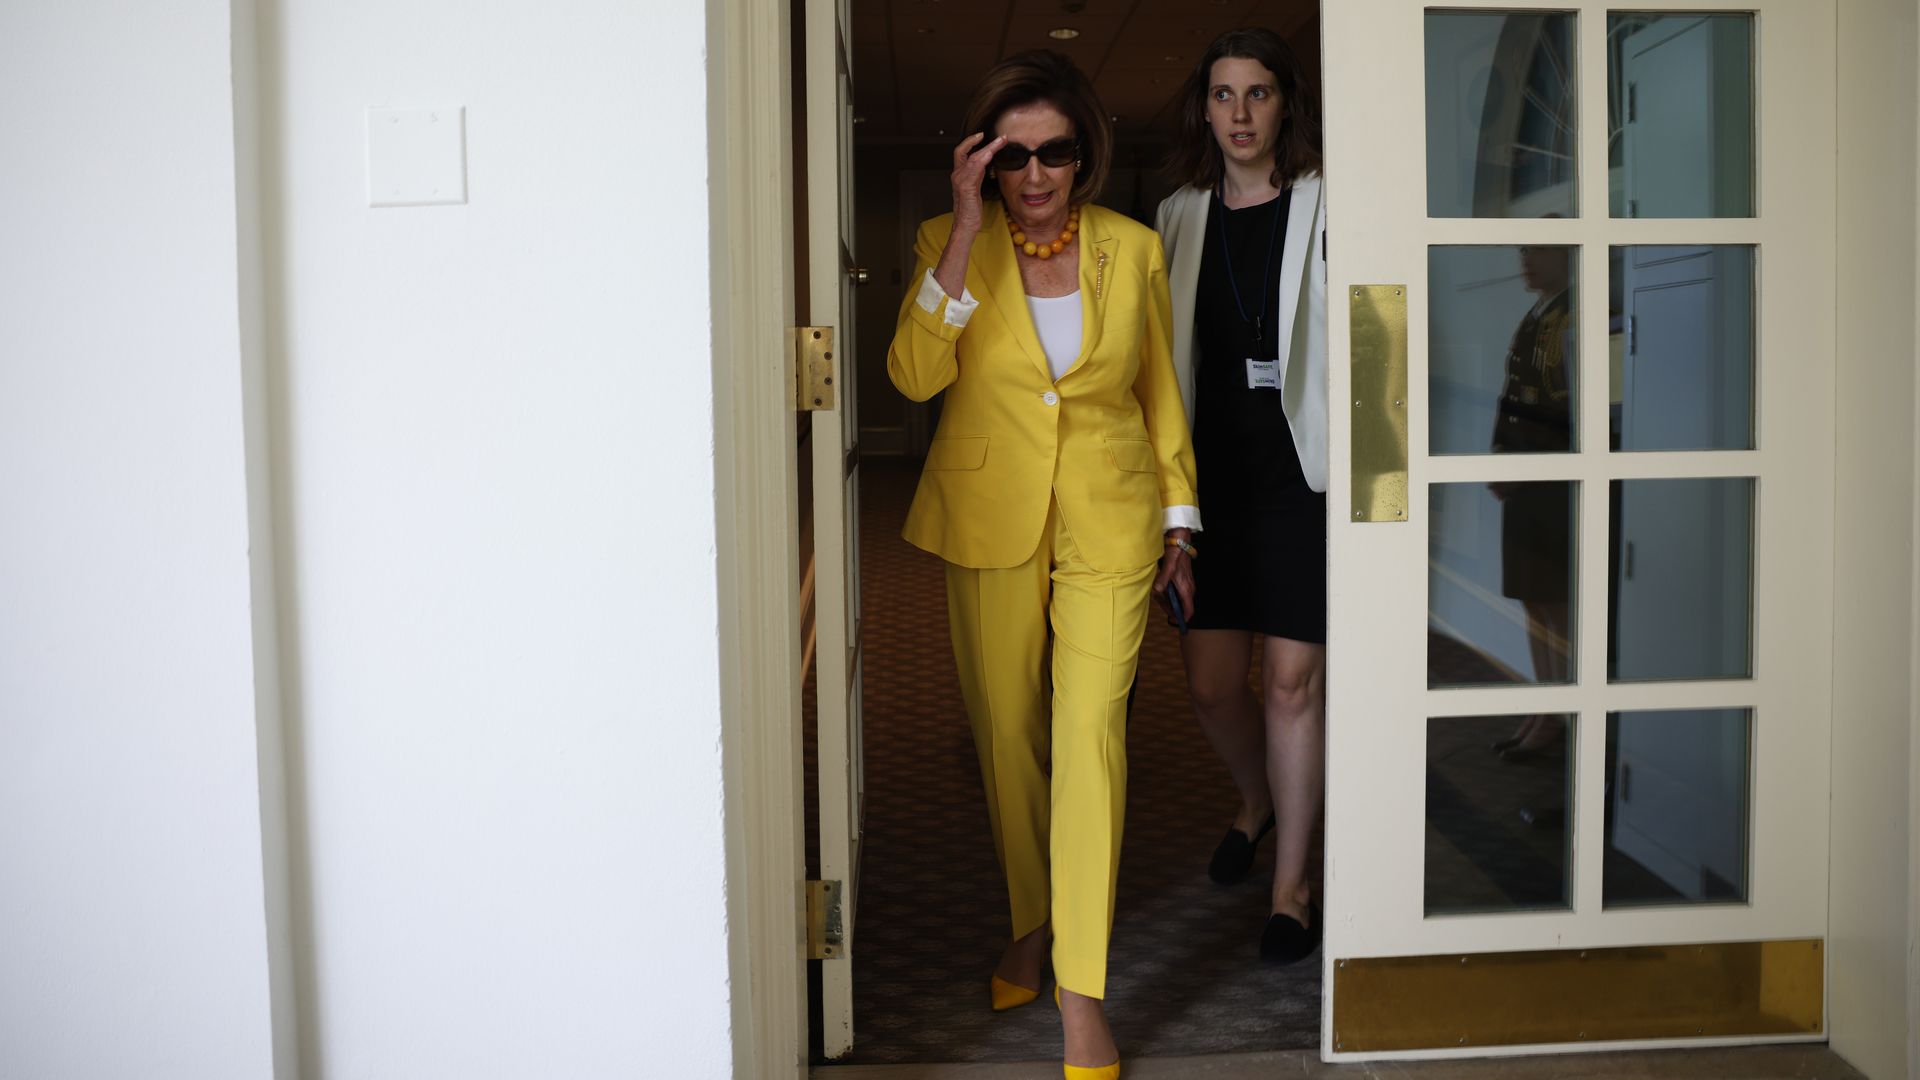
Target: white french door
1581	544
826	356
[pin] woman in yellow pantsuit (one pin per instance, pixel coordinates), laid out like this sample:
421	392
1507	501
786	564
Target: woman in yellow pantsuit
1060	475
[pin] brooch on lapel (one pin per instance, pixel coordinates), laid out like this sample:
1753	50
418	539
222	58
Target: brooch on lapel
1099	273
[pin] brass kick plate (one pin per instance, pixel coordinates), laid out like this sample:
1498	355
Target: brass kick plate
1717	990
1378	362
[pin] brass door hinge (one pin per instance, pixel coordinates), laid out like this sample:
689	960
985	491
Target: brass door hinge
826	931
812	367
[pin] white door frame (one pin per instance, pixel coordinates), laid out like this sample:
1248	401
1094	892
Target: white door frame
752	215
1873	969
1875	581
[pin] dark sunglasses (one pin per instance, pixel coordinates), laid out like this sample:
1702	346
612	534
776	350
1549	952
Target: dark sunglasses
1054	153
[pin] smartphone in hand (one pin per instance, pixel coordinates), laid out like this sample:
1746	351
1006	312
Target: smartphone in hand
1179	612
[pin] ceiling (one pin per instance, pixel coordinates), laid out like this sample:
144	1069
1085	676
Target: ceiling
915	62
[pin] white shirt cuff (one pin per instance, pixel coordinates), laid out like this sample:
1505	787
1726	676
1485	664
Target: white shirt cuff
1183	517
958	311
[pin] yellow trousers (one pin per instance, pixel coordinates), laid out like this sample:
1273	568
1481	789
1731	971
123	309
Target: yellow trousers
999	620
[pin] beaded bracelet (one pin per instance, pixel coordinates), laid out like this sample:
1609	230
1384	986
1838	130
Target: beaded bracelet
1192	552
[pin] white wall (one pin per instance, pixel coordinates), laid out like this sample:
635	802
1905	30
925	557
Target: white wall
495	467
133	936
471	449
1870	992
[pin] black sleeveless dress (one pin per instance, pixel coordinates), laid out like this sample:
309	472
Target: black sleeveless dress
1263	555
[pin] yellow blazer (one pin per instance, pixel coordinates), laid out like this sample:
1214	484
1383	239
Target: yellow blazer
1109	441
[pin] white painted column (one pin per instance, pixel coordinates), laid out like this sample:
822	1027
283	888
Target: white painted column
1871	992
470	452
133	936
495	453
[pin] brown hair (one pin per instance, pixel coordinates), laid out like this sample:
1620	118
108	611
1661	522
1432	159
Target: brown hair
1196	156
1043	75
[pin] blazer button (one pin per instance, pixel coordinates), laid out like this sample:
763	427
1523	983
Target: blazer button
1050	398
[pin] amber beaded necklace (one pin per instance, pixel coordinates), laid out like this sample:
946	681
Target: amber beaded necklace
1049	249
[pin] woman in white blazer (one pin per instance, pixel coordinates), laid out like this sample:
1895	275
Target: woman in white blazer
1245	242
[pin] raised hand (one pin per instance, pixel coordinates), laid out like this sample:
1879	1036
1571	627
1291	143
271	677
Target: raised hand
970	160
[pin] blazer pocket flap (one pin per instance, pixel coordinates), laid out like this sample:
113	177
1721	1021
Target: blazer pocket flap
1132	455
967	453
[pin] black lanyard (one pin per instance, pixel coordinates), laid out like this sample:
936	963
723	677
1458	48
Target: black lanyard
1266	276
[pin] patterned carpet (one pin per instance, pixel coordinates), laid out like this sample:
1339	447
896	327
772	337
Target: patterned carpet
1185	978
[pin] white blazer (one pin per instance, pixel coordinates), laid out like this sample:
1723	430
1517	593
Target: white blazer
1182	222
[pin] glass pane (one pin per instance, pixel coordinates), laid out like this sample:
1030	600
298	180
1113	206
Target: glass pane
1500	114
1676	807
1680	115
1500	569
1682	376
1682	580
1498	788
1502	350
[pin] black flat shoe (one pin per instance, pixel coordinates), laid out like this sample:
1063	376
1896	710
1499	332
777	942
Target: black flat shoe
1234	857
1285	941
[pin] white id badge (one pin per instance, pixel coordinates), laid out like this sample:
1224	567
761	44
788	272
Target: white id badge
1263	374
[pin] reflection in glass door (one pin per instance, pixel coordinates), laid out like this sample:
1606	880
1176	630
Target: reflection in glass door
1577	697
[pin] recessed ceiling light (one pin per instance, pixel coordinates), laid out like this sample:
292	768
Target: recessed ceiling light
1063	33
1171	59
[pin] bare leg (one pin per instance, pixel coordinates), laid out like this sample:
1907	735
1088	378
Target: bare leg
1295	686
1083	1023
1217	663
1020	963
1547	640
1552	663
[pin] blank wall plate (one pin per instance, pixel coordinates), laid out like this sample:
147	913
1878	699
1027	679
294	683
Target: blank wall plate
417	157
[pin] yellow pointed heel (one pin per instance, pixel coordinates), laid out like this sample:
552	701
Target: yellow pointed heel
1008	995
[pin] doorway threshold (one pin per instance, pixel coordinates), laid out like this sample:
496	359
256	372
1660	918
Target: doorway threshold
1801	1062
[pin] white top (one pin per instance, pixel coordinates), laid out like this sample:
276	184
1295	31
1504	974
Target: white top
1057	318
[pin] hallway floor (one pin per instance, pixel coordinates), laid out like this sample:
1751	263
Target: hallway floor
1187	995
1184	976
1750	1063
